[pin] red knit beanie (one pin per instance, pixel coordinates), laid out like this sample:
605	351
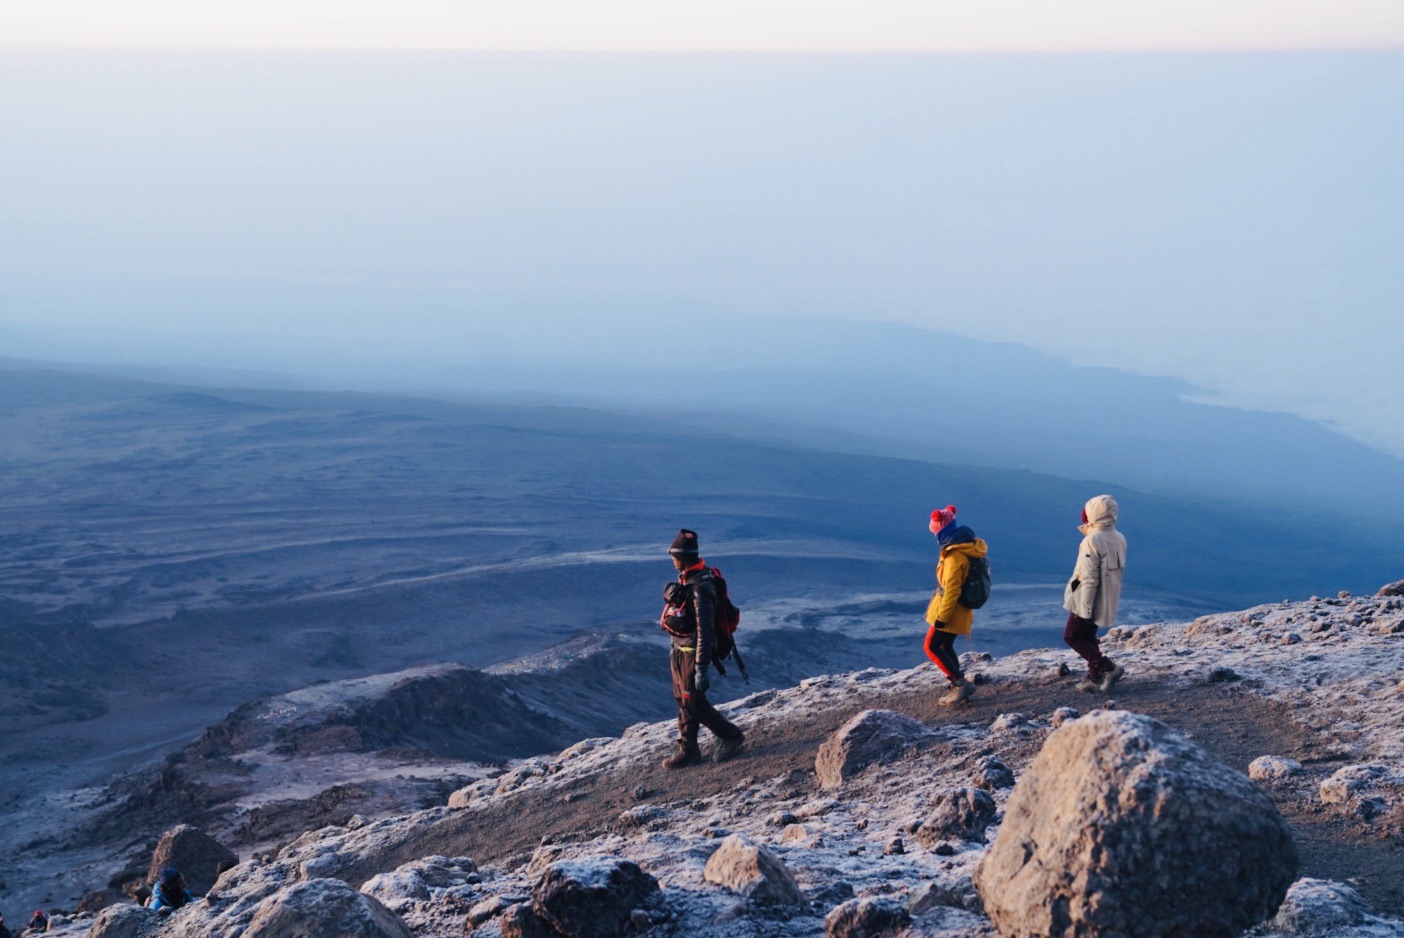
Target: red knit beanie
942	517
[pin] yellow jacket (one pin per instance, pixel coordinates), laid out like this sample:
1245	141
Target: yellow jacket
951	568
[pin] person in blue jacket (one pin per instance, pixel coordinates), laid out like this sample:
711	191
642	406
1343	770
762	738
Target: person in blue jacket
169	893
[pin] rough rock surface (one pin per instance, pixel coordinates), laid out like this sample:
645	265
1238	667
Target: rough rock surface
753	871
957	813
866	918
991	774
198	856
421	880
870	738
592	899
1350	782
125	921
521	921
1122	826
1313	906
1273	768
324	908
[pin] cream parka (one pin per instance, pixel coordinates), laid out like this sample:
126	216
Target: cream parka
1094	591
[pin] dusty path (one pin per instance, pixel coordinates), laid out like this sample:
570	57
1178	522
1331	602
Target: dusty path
1229	720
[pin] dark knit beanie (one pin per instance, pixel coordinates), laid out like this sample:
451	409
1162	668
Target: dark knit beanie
685	544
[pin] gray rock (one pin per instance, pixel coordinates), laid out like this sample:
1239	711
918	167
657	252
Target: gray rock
1273	768
962	813
1221	675
521	921
1007	722
1122	826
416	881
1063	715
468	794
1349	783
1316	905
753	871
866	918
959	894
490	908
1392	589
324	908
643	816
396	886
126	920
873	737
991	774
199	857
592	898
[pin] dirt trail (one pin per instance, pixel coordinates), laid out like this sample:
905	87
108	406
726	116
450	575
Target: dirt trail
1231	721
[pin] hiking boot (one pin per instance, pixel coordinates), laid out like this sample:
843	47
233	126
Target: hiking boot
961	691
1089	685
686	755
727	748
1110	677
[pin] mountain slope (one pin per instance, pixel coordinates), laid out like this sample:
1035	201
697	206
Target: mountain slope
1311	681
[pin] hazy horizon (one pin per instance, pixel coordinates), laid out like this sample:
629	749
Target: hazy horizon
1229	220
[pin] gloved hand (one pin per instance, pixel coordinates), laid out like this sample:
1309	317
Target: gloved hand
701	679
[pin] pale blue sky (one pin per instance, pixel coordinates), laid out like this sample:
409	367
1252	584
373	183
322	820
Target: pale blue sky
754	25
1236	220
951	25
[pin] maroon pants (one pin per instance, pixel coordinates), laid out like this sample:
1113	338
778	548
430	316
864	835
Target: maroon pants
1081	636
693	706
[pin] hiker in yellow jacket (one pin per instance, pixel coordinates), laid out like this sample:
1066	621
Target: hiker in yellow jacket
945	615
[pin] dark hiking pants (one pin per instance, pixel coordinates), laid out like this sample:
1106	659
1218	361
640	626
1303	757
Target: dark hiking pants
693	706
1081	636
940	648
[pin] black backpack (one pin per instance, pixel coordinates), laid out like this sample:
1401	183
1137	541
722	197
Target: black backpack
678	619
976	590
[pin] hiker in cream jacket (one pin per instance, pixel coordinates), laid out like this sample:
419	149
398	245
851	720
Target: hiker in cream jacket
1094	591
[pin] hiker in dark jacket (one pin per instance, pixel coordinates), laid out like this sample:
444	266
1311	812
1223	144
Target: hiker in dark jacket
169	893
690	620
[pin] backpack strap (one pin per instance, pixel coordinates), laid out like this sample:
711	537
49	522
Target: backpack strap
740	665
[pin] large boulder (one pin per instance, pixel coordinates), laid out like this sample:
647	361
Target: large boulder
869	738
126	920
199	857
1122	826
323	908
591	898
753	871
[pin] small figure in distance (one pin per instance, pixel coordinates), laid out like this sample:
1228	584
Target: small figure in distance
5	929
38	922
169	892
1094	592
945	615
689	618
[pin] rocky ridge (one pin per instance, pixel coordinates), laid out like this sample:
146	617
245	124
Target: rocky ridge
891	844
